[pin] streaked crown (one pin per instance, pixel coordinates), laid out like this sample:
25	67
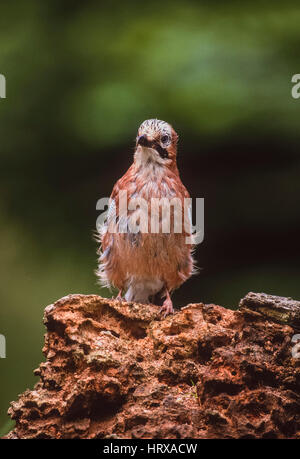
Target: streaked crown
152	128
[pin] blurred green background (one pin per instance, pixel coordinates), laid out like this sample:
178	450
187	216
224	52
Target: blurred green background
81	77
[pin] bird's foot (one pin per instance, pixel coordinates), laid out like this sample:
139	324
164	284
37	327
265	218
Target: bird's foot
119	297
167	307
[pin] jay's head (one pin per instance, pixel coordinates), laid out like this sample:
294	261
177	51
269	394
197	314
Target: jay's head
157	141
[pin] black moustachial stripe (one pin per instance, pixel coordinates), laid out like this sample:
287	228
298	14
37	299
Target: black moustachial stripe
162	151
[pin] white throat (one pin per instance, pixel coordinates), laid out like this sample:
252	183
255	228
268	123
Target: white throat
148	157
150	164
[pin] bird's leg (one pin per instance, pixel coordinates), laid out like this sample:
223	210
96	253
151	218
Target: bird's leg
167	306
119	296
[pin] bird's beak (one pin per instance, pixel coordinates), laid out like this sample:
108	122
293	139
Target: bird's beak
144	141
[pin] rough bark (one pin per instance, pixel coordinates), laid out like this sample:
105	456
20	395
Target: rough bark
277	308
118	370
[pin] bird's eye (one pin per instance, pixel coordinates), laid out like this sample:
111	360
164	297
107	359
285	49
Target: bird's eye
165	138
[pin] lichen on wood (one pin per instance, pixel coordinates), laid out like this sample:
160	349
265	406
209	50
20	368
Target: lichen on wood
282	309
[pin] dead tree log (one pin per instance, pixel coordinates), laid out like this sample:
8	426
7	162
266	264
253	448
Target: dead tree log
118	370
277	308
